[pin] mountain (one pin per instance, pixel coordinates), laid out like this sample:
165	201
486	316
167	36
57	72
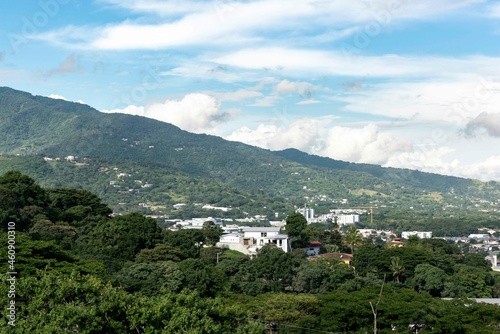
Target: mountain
35	126
406	177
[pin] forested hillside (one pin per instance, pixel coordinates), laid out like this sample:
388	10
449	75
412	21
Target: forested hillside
179	167
77	269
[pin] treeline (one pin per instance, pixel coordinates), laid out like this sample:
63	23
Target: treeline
81	270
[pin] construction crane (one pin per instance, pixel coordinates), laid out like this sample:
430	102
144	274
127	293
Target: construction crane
371	213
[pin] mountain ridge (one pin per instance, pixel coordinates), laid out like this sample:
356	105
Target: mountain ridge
36	125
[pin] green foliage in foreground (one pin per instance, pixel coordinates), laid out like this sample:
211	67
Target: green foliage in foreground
55	303
80	270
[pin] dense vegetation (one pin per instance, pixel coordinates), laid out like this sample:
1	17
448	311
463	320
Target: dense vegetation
155	189
81	270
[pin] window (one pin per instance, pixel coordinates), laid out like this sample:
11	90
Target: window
263	234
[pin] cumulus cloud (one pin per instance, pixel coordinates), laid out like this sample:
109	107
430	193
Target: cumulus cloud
303	135
430	160
303	89
487	122
60	97
434	161
316	136
57	97
364	145
194	112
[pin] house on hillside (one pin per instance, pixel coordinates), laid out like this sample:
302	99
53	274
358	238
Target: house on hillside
420	235
313	248
251	239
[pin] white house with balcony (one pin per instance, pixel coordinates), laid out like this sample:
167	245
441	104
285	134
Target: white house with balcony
420	235
251	239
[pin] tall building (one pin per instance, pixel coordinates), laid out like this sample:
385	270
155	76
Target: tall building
343	220
308	213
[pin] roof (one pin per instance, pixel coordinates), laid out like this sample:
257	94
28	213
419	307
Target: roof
277	236
315	244
338	256
261	229
481	300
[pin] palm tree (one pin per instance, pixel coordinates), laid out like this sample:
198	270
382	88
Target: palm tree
353	238
396	267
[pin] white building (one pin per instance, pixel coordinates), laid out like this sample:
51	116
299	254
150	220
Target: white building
343	220
313	248
493	258
253	238
479	236
308	213
421	235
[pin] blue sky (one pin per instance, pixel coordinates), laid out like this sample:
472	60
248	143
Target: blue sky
400	83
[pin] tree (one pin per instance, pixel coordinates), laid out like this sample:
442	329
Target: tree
429	278
211	232
189	242
73	205
282	308
353	238
118	240
397	268
313	277
160	253
207	280
151	278
375	308
296	223
20	194
369	259
321	276
69	303
469	282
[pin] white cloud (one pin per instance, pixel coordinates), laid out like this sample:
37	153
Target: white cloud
493	11
230	22
238	95
303	135
303	89
367	144
195	112
309	101
296	62
433	161
130	110
266	101
488	122
316	136
455	101
60	97
57	97
207	71
364	145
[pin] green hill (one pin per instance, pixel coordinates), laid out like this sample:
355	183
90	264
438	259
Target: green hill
33	127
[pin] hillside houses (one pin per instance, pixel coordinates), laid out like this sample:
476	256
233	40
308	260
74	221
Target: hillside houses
251	239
